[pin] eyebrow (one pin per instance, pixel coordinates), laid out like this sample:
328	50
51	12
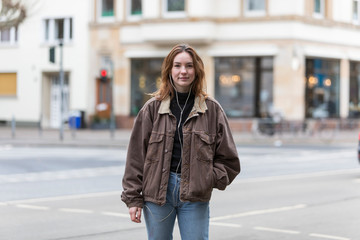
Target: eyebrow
186	63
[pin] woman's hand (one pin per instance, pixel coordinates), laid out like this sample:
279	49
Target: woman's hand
135	214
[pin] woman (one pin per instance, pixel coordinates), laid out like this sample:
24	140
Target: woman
180	149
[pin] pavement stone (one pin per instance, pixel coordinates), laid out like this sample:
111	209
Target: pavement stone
26	136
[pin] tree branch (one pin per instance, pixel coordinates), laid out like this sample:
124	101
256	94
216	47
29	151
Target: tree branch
11	14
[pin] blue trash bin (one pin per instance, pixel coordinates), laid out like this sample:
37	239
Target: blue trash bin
75	119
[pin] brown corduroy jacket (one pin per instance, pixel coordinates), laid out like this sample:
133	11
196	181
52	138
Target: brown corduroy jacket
209	158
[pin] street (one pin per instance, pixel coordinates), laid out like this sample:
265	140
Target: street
289	192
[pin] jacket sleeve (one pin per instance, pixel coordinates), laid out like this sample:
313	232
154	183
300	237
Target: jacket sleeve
133	176
226	160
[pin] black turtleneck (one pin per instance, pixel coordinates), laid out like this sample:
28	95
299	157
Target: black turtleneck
176	111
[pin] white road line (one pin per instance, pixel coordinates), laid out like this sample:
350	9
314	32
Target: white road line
240	180
74	210
328	236
61	175
233	225
3	204
357	180
276	230
66	197
115	214
259	212
32	207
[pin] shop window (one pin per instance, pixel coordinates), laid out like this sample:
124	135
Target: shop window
318	8
322	88
255	7
107	8
145	79
8	84
174	8
244	85
354	105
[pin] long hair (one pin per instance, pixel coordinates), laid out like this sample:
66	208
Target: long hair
166	88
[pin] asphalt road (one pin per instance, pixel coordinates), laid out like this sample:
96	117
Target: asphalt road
292	193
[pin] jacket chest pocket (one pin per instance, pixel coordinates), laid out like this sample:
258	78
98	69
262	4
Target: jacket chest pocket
155	147
204	145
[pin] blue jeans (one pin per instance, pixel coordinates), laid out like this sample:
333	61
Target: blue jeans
193	217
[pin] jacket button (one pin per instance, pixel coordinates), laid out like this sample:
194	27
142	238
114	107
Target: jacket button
163	170
166	150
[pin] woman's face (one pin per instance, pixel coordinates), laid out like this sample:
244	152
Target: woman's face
183	72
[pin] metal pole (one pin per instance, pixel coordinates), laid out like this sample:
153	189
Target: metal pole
112	115
40	125
61	92
13	126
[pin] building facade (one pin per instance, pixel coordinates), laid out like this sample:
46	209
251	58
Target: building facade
300	58
29	82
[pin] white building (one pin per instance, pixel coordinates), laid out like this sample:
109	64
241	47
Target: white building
29	82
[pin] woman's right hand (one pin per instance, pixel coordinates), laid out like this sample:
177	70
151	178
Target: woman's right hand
135	214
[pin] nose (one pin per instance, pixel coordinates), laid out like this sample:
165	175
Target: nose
183	69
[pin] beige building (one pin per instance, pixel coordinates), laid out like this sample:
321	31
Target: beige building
300	57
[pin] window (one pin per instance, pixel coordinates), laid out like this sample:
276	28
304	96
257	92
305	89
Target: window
356	12
255	7
322	91
9	35
7	84
319	6
354	105
145	79
244	85
174	8
58	29
134	9
107	8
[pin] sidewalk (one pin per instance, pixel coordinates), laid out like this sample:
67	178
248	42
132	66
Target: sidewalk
103	138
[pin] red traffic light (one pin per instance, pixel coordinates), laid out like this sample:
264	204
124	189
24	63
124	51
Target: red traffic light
103	73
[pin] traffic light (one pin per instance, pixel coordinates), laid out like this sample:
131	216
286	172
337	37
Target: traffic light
104	75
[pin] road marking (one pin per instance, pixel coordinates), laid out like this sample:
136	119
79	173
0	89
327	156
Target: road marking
320	156
6	147
276	230
3	204
61	175
259	212
295	176
66	197
115	214
74	210
226	224
327	236
32	207
357	180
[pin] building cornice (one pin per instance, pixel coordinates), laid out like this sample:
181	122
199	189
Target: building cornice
302	19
